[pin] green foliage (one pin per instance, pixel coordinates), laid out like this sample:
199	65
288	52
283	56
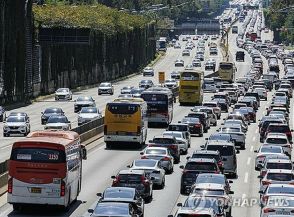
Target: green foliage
98	17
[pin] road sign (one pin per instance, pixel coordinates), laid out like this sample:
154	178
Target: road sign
161	77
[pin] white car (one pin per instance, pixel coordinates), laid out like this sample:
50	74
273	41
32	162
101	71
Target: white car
264	151
179	63
277	190
279	205
88	114
236	133
148	71
105	88
209	85
181	140
186	52
215	106
262	93
170	83
279	139
16	125
162	154
126	90
63	94
152	168
58	122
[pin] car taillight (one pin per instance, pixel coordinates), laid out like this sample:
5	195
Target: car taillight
174	147
264	199
10	182
288	133
166	158
62	189
143	157
197	125
138	130
267	210
266	182
116	180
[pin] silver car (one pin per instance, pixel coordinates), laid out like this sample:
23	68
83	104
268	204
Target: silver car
162	154
63	94
126	90
236	133
88	114
58	122
265	151
105	88
148	71
280	205
152	168
16	125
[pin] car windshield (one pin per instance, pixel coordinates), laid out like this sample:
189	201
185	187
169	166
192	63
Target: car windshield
280	189
105	85
230	129
286	166
15	119
57	119
113	193
209	156
84	98
219	136
201	166
145	163
223	149
210	179
271	149
209	192
89	110
156	151
52	111
62	90
111	209
175	134
280	176
277	140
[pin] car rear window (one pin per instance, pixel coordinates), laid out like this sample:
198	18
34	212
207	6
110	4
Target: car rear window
224	150
281	190
202	166
276	140
279	129
163	141
287	166
208	156
177	128
129	178
280	176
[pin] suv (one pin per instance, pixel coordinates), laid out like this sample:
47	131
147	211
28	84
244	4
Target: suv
148	71
169	142
193	167
255	94
83	101
182	128
137	179
203	117
279	128
16	125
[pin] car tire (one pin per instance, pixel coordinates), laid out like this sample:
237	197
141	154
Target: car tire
183	191
205	130
111	93
4	135
229	214
234	175
215	124
108	145
201	135
171	170
162	183
185	152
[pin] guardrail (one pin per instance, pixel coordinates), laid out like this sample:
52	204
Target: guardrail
92	129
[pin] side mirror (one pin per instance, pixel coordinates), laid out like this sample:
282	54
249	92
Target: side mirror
42	113
206	138
238	152
129	166
181	167
231	192
150	141
170	216
201	146
152	178
141	153
255	151
188	157
179	122
230	181
292	130
224	159
99	194
84	152
222	123
179	204
261	192
260	177
90	210
113	177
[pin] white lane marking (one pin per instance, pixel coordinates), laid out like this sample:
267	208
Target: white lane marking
251	148
256	131
254	138
248	160
246	177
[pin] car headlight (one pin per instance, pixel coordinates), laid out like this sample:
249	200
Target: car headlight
44	117
22	127
6	127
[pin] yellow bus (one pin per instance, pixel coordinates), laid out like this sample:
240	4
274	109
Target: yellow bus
125	121
227	71
190	89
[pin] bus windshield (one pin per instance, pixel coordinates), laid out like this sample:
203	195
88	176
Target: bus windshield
190	76
226	66
156	102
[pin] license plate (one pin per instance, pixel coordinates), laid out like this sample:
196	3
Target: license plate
282	212
36	190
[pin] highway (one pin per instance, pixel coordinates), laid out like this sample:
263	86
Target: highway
102	164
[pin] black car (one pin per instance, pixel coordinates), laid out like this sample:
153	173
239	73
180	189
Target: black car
113	209
124	194
193	167
48	112
240	56
203	117
2	114
194	124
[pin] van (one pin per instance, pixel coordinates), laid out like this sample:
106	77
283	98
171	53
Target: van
228	153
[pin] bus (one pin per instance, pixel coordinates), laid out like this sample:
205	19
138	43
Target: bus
162	44
45	168
160	101
125	121
227	71
190	89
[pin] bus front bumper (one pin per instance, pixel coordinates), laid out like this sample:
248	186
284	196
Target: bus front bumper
58	201
121	138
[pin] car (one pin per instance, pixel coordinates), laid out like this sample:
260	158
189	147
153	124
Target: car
120	209
16	125
210	155
193	167
2	113
88	114
264	151
203	117
231	122
215	106
240	56
196	63
152	168
136	92
213	178
222	103
83	101
279	128
209	111
261	92
145	84
179	63
171	83
126	90
186	52
224	96
282	205
137	179
279	139
126	195
181	127
277	190
228	154
169	142
177	46
105	88
148	71
209	66
58	122
182	141
162	154
236	132
273	163
213	51
63	94
209	85
175	75
50	111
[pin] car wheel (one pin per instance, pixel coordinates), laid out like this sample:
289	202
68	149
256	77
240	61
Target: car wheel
162	183
201	135
108	145
4	135
205	130
215	124
171	170
185	152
